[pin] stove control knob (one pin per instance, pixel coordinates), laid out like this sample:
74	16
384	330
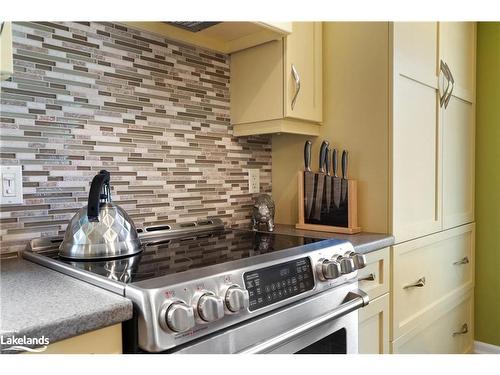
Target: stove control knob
346	264
177	316
359	259
328	269
210	307
236	298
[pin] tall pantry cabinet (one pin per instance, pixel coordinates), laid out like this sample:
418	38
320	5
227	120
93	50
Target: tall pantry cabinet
433	127
431	190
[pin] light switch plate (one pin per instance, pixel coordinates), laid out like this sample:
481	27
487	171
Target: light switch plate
11	180
253	181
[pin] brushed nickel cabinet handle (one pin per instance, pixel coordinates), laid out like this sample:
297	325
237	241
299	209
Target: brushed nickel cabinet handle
452	80
464	260
463	330
370	277
296	77
418	284
442	67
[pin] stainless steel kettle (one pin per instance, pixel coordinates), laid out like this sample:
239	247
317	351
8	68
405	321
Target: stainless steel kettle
101	230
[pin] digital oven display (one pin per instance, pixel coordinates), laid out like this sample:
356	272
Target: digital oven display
276	283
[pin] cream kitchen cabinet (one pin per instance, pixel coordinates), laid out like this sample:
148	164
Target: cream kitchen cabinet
374	279
416	167
427	272
457	41
433	127
277	87
106	340
450	333
433	135
374	323
6	57
373	330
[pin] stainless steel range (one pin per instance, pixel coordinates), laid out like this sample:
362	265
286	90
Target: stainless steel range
201	288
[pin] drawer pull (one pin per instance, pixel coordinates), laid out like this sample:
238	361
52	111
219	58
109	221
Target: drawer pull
370	277
418	284
464	260
463	330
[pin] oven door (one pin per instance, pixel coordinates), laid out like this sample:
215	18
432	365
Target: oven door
324	323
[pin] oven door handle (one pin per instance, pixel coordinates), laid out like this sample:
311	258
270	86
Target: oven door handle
354	300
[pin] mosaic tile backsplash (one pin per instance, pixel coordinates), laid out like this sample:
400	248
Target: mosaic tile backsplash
155	113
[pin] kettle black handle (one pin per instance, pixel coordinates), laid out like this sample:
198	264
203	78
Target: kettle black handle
98	182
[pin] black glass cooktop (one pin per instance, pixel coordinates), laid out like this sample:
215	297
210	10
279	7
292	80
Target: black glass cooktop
161	258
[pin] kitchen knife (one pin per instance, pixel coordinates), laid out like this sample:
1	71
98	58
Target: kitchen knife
344	177
320	181
328	181
336	180
308	181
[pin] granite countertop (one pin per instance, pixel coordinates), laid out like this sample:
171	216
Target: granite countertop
363	242
37	301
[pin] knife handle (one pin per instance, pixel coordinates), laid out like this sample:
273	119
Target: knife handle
322	153
307	155
344	164
334	161
327	161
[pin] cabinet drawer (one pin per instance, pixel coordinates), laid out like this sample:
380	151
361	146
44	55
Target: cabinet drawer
451	333
374	278
428	270
373	331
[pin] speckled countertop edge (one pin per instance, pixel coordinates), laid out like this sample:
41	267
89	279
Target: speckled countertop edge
36	301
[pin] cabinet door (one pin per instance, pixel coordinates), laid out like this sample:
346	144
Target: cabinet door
6	60
458	163
457	49
303	50
416	134
373	332
374	279
257	83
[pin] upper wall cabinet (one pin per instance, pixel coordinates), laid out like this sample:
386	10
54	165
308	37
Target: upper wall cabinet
225	37
6	58
277	87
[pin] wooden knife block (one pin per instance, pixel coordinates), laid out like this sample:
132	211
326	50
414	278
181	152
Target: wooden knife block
351	212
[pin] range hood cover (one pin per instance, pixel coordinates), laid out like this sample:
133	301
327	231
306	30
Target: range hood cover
193	26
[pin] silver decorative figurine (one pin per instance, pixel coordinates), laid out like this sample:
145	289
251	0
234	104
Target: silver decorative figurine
263	212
